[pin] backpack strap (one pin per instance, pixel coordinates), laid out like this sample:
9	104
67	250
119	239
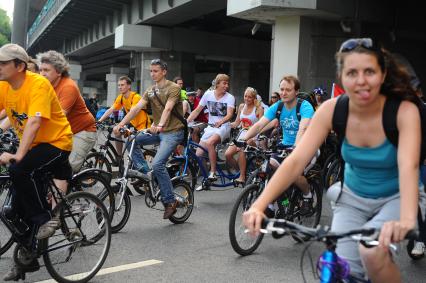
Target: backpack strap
279	110
298	105
390	113
340	119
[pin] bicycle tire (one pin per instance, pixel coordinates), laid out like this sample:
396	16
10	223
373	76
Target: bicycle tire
246	198
97	160
120	219
333	174
185	196
95	184
77	206
311	220
6	239
326	166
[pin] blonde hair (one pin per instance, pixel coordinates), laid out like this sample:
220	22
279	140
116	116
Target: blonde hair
254	93
221	77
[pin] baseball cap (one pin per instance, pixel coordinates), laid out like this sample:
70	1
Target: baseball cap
12	51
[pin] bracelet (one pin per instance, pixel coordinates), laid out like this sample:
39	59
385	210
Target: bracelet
160	126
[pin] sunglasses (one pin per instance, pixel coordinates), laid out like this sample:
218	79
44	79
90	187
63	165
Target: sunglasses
274	97
353	43
162	64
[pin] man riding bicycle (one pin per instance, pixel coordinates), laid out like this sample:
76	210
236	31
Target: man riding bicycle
167	129
292	128
45	136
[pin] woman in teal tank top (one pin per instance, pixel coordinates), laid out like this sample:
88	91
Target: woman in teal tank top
381	188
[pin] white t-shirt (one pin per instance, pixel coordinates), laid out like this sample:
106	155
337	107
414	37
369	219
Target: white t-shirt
217	108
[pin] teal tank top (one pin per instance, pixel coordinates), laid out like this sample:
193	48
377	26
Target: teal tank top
371	172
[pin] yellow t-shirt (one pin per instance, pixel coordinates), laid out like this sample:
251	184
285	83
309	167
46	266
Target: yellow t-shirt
37	98
141	121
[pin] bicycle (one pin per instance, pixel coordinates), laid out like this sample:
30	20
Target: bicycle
181	189
288	205
74	241
330	268
186	166
107	156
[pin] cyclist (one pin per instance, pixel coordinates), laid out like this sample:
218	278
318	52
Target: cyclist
275	97
381	182
221	106
179	82
249	113
320	95
167	128
292	129
126	100
55	68
45	135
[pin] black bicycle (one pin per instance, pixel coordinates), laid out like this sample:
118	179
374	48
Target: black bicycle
77	250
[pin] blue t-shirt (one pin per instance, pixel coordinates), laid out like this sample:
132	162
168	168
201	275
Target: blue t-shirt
288	119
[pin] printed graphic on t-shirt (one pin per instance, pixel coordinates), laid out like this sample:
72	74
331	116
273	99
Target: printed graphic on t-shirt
290	125
217	108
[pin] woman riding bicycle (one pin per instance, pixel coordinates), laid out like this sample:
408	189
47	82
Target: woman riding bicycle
248	114
381	182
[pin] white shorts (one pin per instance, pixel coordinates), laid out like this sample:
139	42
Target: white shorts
223	132
82	143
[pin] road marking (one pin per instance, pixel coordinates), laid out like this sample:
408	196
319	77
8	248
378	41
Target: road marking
113	269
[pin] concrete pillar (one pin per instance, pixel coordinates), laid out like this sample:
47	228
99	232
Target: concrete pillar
20	23
284	49
146	80
75	73
112	81
239	74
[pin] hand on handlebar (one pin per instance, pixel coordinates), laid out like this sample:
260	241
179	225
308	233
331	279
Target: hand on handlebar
8	158
394	232
252	219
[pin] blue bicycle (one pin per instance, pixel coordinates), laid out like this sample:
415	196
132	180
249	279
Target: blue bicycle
190	166
330	268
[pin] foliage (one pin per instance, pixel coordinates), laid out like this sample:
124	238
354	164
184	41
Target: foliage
5	29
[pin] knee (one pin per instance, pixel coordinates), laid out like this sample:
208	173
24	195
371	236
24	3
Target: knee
374	259
158	166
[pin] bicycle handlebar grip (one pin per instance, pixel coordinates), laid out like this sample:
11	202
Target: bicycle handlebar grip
412	235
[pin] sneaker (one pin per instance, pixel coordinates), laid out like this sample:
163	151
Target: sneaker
306	207
48	229
419	249
16	272
212	176
170	209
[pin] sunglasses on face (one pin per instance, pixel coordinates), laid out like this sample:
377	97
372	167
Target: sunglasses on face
274	97
353	43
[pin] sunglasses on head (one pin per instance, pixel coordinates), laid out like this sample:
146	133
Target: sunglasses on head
160	63
353	43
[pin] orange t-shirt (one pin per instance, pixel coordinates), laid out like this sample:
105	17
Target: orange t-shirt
141	121
73	105
37	98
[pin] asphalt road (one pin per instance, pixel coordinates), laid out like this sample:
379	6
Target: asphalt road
199	250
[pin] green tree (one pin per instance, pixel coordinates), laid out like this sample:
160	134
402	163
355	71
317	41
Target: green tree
4	28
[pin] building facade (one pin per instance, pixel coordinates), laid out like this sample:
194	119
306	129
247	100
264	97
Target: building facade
256	42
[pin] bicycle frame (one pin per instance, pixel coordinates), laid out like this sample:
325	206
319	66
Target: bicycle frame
189	153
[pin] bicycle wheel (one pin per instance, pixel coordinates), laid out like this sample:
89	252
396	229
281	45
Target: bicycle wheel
96	160
333	174
94	183
6	240
121	212
313	217
185	197
71	249
243	243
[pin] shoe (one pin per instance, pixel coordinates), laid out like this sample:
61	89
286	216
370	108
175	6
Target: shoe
269	212
16	273
306	207
170	209
48	229
419	249
199	188
212	176
239	182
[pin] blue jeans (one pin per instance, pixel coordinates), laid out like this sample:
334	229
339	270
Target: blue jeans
168	142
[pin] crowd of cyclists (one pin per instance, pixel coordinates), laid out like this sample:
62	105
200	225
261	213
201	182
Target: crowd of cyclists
380	181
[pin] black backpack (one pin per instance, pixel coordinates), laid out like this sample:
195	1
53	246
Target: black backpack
91	105
390	110
301	96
